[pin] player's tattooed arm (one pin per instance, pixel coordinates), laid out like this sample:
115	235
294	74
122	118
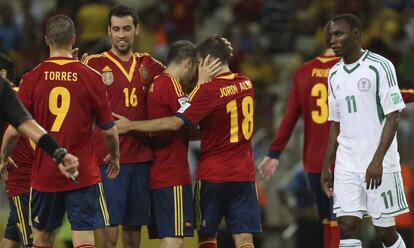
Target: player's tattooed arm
112	159
373	175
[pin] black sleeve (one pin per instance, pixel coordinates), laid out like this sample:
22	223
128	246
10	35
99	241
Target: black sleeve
11	109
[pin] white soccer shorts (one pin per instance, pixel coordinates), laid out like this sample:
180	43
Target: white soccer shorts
351	195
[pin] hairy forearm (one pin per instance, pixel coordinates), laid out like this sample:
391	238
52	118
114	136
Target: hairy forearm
112	141
10	139
332	144
388	132
32	130
171	123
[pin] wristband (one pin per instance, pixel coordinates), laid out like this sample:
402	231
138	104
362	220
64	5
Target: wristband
274	154
48	144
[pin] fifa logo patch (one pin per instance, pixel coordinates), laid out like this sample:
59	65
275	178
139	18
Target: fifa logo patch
396	98
107	76
182	100
364	84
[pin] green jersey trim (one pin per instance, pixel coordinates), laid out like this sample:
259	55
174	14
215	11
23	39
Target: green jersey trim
387	69
349	71
380	111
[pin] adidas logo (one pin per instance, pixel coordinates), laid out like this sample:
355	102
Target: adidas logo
106	69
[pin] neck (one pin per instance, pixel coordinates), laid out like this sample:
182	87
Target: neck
328	52
223	69
354	56
122	56
60	52
174	71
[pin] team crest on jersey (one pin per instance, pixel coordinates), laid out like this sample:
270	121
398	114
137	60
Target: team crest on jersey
107	75
144	74
364	84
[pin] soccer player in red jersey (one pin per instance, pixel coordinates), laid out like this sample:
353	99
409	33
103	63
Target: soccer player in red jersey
224	109
68	98
126	76
172	209
308	99
18	231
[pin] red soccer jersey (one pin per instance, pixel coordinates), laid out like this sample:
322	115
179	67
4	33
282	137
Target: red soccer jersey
19	178
126	87
170	166
308	98
67	98
224	108
408	95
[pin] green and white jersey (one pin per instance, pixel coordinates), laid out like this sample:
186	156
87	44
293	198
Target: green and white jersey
359	97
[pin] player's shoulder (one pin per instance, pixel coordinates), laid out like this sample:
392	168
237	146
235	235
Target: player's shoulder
376	59
146	58
93	57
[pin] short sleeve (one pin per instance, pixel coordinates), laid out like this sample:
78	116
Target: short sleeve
100	102
389	92
333	106
12	110
197	106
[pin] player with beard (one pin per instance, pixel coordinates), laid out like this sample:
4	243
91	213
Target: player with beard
126	76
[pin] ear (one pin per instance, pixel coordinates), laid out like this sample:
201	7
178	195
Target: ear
46	41
108	30
73	40
3	73
137	30
188	63
357	33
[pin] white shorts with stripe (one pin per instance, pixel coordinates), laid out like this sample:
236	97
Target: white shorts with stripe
351	195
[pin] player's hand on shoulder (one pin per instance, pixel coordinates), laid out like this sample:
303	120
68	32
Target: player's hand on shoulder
208	69
75	54
268	167
121	123
83	58
326	182
373	174
69	167
113	166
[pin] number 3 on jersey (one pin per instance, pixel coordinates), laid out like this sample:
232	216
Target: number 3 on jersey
320	116
59	102
247	124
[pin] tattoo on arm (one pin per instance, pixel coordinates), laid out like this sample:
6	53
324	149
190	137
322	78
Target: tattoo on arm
113	146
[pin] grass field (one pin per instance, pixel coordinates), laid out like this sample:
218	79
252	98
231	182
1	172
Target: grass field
65	234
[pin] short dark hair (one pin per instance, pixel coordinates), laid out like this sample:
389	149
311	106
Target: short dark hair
121	11
350	19
7	64
216	47
60	30
181	50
